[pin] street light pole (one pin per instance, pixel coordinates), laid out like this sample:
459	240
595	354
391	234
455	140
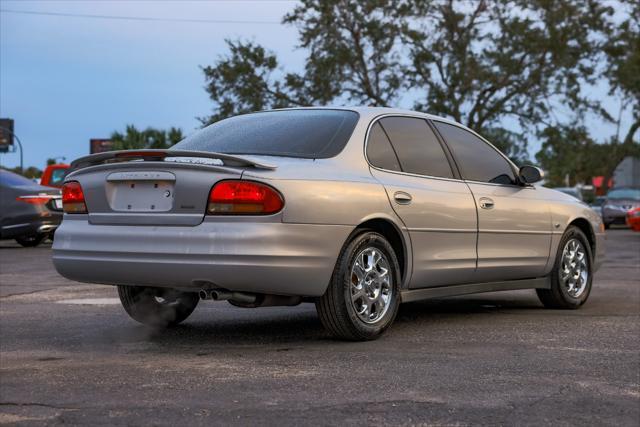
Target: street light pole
19	145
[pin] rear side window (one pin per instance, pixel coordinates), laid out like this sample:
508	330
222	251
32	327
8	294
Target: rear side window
314	134
417	147
379	150
477	160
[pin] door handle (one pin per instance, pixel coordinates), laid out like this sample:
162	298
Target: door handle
402	198
486	203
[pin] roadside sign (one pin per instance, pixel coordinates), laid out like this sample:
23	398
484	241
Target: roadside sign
6	137
100	145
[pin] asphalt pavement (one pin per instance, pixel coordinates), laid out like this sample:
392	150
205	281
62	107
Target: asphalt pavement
70	355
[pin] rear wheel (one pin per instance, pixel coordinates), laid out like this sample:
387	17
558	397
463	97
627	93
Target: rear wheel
159	307
571	277
31	240
363	296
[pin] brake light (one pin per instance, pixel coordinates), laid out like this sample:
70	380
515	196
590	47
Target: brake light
35	200
126	154
73	198
243	198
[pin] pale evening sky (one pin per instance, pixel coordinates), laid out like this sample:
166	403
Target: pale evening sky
66	79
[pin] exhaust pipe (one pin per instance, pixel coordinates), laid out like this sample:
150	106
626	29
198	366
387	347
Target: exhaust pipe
205	294
224	295
220	295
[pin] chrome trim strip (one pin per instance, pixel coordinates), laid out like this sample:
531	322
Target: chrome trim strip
15	225
442	230
546	233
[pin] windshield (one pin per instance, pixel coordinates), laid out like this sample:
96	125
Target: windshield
624	193
309	134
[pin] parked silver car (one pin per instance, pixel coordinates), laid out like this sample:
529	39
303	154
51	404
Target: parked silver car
619	201
354	209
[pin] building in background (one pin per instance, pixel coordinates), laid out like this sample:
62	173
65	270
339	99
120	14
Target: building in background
627	173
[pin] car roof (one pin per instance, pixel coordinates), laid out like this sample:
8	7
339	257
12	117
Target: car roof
371	112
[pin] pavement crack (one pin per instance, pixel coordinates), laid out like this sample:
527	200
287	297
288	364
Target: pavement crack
24	293
40	405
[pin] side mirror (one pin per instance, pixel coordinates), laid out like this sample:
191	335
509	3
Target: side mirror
530	174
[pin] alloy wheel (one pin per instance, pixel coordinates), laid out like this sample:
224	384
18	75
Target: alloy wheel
574	268
371	285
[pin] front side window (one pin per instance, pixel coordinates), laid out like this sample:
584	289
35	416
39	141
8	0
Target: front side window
477	160
305	133
416	146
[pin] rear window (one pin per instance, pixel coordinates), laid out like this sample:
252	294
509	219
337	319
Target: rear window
316	134
57	176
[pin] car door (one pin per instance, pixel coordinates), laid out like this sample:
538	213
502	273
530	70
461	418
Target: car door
437	209
514	221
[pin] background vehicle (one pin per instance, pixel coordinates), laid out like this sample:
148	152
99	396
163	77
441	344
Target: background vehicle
597	204
633	219
619	201
28	212
353	209
53	175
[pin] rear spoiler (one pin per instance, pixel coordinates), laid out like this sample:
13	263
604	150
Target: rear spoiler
160	155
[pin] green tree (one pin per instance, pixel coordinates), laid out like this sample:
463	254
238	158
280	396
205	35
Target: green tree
499	66
567	153
31	172
622	56
133	139
569	150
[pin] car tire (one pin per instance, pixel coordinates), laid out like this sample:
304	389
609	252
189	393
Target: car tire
362	300
157	307
607	225
31	240
572	274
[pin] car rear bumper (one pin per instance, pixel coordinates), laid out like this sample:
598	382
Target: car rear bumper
37	225
611	216
263	257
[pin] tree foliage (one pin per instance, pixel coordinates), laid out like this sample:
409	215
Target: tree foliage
30	172
571	151
133	138
510	69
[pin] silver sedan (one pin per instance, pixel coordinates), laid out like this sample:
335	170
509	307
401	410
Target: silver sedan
353	209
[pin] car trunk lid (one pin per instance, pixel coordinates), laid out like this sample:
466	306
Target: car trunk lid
154	187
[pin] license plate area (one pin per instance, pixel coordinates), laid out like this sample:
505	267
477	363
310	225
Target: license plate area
141	192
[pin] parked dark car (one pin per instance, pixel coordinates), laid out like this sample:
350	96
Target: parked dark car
619	202
29	212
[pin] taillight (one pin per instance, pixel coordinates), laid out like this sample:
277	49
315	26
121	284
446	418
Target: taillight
35	200
73	198
243	198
